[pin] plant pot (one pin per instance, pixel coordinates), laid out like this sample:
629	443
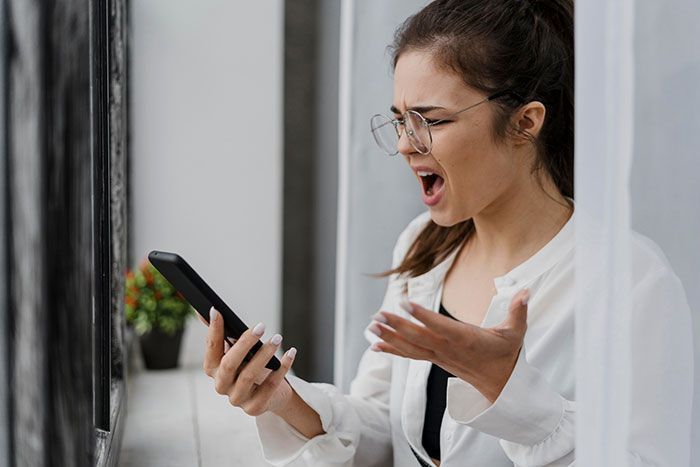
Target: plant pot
160	351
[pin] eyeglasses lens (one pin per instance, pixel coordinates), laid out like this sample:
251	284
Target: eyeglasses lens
418	132
416	129
385	134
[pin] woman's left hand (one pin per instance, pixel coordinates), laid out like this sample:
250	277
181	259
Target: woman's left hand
483	357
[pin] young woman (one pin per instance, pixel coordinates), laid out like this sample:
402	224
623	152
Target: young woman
471	356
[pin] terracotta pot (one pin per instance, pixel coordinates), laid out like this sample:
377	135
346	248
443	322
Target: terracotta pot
160	351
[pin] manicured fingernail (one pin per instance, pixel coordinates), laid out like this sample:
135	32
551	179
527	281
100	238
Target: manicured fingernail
276	339
259	329
213	314
407	306
291	353
374	329
525	298
375	348
379	317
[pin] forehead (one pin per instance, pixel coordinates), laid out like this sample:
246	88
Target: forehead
419	80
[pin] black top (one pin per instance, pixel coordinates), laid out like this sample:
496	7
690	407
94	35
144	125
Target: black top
435	405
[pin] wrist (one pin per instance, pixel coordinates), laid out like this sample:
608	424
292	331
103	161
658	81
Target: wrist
492	387
285	405
300	415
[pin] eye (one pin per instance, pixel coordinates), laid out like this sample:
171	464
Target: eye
437	122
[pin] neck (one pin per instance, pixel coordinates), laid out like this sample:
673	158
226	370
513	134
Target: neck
517	225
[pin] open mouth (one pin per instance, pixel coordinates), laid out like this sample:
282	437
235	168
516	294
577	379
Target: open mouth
432	186
432	183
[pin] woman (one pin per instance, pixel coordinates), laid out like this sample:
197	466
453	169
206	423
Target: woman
471	361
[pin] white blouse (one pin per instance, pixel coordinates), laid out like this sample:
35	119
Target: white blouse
531	423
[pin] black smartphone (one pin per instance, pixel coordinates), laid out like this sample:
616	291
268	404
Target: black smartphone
202	297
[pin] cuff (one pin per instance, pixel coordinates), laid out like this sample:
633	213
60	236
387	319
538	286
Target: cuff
526	412
282	443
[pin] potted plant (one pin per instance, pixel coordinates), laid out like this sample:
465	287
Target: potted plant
157	313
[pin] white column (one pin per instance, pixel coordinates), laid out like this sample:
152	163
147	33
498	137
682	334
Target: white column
377	196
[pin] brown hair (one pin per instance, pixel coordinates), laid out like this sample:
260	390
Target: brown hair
525	46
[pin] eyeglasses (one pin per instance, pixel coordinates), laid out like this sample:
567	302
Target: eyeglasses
387	131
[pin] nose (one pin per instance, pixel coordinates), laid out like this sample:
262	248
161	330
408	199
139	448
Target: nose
404	145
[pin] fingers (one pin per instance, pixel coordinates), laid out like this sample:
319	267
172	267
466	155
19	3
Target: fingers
440	325
411	331
402	346
260	400
517	313
230	363
214	349
386	348
251	373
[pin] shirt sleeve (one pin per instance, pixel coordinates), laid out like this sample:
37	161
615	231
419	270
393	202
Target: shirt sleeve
535	424
357	427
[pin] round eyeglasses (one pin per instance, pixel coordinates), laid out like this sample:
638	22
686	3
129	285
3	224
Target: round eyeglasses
387	131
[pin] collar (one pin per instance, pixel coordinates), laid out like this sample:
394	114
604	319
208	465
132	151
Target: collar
539	263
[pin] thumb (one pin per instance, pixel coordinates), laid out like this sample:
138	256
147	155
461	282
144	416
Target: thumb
517	313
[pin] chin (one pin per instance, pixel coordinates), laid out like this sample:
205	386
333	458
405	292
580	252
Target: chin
446	219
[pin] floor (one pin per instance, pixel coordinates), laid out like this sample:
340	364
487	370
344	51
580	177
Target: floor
175	418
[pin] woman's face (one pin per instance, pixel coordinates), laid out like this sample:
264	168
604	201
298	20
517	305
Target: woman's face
472	171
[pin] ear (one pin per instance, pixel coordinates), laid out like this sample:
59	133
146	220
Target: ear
529	118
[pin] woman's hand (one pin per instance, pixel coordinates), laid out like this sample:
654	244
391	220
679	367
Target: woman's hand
249	386
485	358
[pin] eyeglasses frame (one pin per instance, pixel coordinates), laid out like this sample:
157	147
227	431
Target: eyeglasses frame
395	121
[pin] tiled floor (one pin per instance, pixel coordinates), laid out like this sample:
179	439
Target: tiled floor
175	418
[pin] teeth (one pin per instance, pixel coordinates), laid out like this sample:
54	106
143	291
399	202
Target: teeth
424	174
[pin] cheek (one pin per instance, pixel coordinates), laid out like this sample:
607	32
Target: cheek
463	158
473	165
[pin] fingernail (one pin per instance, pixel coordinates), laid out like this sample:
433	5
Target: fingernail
291	353
379	317
213	314
259	329
525	298
374	329
407	306
276	339
375	348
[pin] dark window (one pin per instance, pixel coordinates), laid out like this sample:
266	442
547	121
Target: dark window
65	231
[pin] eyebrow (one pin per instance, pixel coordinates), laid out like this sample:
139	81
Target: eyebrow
419	109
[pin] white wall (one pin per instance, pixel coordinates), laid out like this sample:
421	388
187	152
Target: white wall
206	154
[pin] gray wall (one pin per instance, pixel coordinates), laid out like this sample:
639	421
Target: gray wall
326	182
4	349
310	182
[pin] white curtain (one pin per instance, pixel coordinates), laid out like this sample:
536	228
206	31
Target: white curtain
638	168
603	154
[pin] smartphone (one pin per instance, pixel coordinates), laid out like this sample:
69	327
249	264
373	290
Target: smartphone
202	297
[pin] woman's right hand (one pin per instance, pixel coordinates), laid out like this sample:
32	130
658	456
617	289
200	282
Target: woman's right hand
250	386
